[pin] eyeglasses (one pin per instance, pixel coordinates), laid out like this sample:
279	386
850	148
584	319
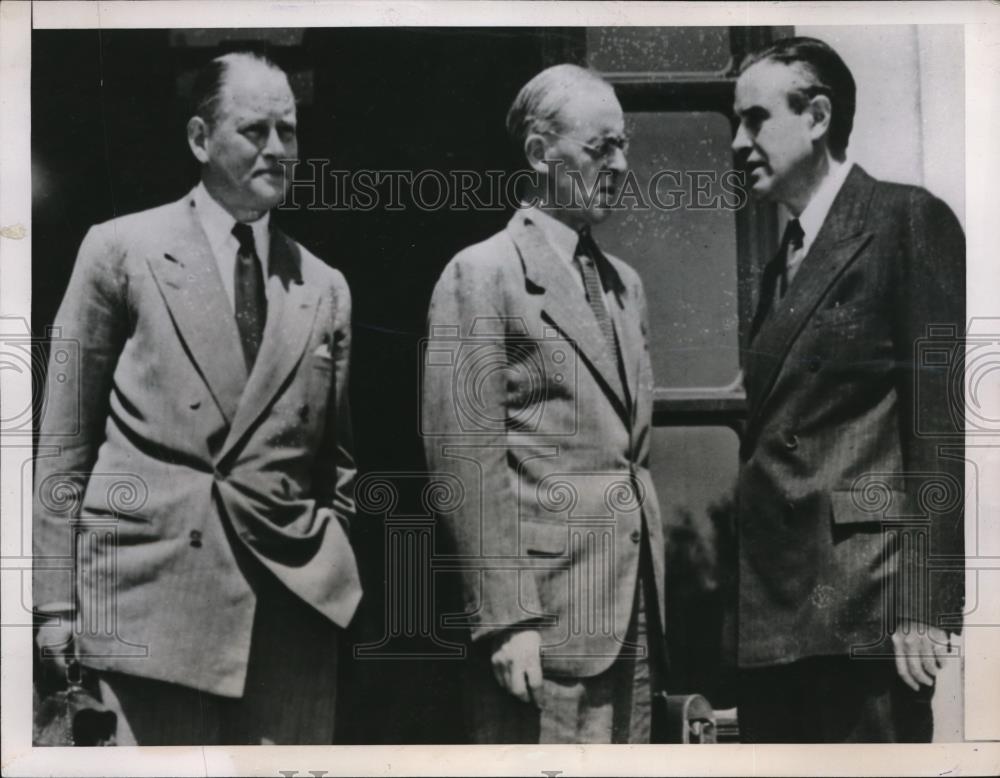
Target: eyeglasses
604	150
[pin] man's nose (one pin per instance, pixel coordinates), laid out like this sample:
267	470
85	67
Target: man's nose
617	162
741	143
274	146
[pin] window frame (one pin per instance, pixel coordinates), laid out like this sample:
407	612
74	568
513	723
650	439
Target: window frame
756	223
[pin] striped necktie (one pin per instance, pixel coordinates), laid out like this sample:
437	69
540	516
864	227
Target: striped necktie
588	254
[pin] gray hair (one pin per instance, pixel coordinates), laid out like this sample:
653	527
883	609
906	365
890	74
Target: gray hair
539	103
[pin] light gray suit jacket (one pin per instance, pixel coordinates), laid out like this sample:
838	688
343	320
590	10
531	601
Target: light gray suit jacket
545	449
171	456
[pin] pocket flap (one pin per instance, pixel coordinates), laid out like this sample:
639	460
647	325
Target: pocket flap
539	537
859	506
841	314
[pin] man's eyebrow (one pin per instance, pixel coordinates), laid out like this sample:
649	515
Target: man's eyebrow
609	135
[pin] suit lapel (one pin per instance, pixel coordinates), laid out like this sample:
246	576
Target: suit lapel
291	311
187	276
565	303
840	240
625	314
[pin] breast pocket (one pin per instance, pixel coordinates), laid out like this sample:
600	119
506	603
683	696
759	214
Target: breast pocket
307	395
847	316
856	333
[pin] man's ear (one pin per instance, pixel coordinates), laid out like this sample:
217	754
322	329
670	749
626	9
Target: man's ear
821	111
197	133
534	151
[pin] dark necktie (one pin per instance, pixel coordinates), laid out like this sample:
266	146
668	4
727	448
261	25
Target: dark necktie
588	255
250	301
792	242
774	279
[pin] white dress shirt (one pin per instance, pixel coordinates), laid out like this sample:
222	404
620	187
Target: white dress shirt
563	239
812	217
218	225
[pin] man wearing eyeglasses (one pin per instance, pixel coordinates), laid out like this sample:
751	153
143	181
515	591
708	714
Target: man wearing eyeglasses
538	401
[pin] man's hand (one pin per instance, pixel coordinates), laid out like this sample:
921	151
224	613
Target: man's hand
517	664
55	644
919	648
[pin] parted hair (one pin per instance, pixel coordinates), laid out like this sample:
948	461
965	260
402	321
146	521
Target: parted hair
206	91
828	76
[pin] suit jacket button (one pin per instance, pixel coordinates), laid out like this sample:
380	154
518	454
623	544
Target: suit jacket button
814	364
636	536
791	442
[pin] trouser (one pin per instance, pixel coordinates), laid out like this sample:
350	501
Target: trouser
614	706
832	699
288	699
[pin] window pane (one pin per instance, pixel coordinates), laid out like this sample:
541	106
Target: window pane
658	49
687	255
694	469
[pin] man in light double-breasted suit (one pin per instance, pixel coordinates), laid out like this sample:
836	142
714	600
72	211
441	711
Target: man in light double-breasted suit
201	455
538	401
851	484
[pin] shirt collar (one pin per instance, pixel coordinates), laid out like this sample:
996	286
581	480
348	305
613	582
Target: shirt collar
811	219
562	237
218	225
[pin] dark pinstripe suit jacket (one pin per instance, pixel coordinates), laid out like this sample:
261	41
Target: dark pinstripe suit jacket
850	489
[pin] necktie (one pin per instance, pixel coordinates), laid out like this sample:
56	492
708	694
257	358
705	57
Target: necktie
250	302
774	279
587	254
792	242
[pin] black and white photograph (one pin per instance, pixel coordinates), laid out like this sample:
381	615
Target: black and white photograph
498	377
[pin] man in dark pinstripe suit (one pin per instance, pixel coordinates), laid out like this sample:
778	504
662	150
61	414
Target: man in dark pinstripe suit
845	510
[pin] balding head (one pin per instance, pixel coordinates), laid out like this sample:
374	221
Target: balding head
210	80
